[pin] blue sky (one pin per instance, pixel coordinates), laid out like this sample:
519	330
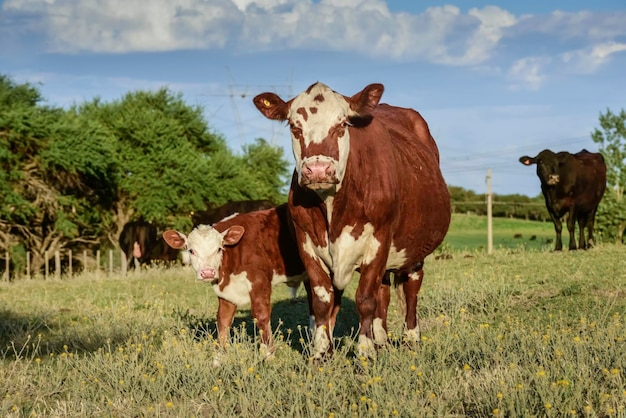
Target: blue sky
495	80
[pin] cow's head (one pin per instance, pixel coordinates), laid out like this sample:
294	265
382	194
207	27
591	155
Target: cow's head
320	121
205	246
548	166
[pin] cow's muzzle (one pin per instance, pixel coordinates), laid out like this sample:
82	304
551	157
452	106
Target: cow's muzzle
318	174
207	274
553	179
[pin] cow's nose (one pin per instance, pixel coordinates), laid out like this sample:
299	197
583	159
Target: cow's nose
207	273
318	171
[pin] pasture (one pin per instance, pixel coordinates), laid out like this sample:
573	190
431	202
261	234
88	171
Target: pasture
517	333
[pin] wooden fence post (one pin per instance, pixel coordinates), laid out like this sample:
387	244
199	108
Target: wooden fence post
69	272
124	262
97	263
84	261
6	271
57	264
28	265
110	262
46	268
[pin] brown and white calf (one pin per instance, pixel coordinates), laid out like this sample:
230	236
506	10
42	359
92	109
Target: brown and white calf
367	194
243	257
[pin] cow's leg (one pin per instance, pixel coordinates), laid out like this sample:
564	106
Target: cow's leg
309	298
322	305
261	310
591	219
382	306
411	289
582	225
558	227
366	294
225	314
571	228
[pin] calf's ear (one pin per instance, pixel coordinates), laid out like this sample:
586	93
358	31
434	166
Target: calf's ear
175	239
526	160
364	102
233	234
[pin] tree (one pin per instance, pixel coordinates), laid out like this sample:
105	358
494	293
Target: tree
611	216
169	163
49	164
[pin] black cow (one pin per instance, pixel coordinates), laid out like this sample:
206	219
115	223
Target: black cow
212	215
137	241
571	184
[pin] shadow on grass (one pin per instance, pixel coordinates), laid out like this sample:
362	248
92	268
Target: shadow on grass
23	336
287	316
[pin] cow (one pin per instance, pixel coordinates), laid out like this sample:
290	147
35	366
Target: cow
212	215
136	241
572	185
243	257
367	195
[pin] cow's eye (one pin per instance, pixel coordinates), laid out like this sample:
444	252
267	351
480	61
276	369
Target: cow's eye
192	252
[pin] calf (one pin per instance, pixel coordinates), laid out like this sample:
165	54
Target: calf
243	257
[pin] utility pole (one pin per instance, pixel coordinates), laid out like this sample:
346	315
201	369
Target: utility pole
489	214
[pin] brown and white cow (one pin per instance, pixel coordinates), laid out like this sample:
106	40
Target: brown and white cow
243	257
367	194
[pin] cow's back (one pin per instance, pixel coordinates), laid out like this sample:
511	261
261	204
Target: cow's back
590	179
268	245
393	169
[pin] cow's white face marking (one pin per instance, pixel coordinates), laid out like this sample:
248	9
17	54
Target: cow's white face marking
319	120
237	290
205	245
322	294
352	252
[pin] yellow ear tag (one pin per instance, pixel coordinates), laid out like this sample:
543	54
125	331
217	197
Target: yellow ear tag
266	103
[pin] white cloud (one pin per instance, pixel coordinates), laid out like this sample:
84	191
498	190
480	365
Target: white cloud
588	60
439	34
527	73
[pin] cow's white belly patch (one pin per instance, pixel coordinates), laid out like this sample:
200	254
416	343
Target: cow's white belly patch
348	253
237	291
281	278
396	258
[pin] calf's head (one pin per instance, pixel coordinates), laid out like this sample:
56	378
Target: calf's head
205	246
320	120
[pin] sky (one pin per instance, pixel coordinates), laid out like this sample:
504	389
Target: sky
495	80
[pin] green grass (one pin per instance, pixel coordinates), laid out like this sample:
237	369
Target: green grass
469	233
516	333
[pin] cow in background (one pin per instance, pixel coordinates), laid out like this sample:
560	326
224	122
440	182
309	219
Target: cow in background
212	215
137	241
572	185
243	257
367	194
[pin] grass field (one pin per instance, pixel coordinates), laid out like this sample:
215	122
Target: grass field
469	233
516	333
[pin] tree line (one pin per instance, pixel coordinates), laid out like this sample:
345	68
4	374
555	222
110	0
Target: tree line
71	178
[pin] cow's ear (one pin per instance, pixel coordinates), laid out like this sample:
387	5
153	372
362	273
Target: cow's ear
272	106
364	102
175	239
233	234
526	160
